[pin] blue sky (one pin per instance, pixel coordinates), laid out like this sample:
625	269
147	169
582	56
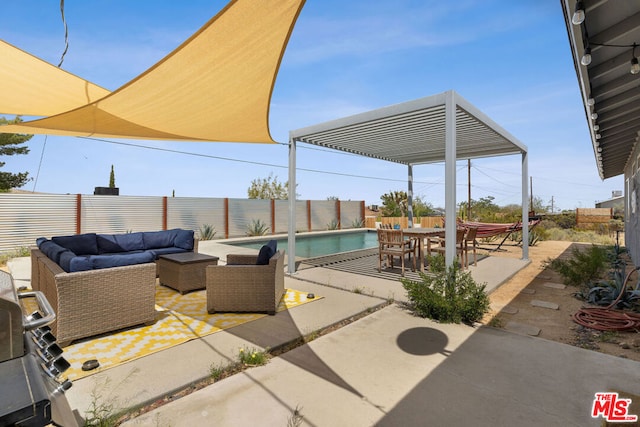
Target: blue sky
511	60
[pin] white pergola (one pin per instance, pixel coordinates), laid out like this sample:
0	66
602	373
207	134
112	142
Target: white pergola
443	127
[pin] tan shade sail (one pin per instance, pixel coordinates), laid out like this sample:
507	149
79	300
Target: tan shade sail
30	86
216	86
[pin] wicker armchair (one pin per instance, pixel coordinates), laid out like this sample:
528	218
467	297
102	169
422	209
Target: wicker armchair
243	286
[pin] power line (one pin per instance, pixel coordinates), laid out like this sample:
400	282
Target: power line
229	159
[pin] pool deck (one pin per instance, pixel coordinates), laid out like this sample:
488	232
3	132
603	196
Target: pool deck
148	379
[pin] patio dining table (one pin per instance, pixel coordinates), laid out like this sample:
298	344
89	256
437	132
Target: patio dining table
423	234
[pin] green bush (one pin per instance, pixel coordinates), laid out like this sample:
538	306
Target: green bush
448	295
583	267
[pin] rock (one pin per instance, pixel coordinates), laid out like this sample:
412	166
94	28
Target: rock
625	345
545	304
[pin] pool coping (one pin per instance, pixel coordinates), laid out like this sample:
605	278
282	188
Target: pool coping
267	237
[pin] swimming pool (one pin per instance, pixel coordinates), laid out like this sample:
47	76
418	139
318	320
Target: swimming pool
311	246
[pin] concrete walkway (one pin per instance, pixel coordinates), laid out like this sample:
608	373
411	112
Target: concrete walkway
388	368
393	369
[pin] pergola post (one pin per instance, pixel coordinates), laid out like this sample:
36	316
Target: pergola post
410	195
450	226
291	242
525	207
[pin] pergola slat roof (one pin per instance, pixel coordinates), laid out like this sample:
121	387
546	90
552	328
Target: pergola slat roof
413	133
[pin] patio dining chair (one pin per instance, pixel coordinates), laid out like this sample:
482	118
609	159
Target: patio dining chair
391	244
460	245
470	245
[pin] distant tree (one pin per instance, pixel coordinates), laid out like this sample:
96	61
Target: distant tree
483	209
422	208
268	188
333	198
394	203
10	144
539	206
112	178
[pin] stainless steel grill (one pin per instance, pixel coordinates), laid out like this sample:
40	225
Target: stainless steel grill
31	390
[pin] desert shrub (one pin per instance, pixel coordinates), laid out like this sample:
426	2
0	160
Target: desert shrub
449	295
257	228
357	223
206	232
535	235
584	266
332	225
22	251
565	220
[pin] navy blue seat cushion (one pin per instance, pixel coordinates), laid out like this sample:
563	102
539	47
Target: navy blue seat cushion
129	241
51	249
79	244
119	260
163	251
184	239
159	239
266	252
80	263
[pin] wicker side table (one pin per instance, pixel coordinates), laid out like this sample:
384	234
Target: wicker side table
185	271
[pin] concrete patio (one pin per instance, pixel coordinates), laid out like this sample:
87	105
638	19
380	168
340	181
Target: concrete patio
388	368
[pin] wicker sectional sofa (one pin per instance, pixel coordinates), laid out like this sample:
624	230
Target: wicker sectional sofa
114	293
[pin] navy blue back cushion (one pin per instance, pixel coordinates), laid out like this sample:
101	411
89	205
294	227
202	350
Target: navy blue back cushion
266	252
79	244
130	241
159	239
184	239
107	244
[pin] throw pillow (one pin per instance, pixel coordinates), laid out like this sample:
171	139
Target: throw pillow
266	252
184	239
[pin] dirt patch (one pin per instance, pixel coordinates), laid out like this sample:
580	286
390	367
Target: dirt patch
512	303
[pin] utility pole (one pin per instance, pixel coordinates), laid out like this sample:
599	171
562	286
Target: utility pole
531	194
469	190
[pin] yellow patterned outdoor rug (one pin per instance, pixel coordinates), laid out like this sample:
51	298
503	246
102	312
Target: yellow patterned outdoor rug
179	318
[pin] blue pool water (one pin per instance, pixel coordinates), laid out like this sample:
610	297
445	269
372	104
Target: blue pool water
323	244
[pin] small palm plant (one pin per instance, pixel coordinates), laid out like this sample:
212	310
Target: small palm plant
257	228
